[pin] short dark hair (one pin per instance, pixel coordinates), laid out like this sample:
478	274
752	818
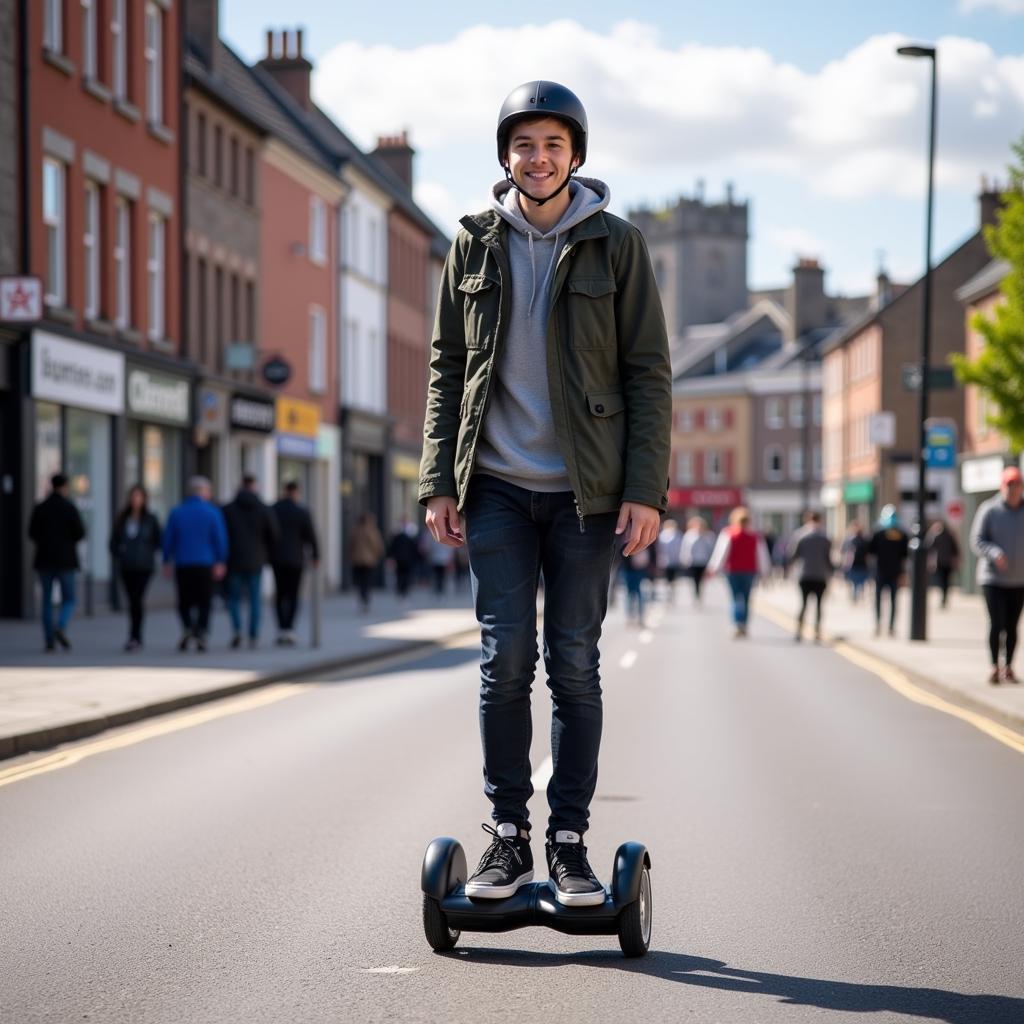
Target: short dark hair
248	479
291	486
58	480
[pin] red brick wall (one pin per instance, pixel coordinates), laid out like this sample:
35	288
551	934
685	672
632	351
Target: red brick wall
60	101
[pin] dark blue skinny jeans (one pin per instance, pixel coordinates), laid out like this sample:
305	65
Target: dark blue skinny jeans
513	536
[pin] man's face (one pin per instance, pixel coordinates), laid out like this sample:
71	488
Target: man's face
540	155
1012	492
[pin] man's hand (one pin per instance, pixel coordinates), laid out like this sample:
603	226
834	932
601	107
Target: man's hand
168	570
643	523
1002	563
219	571
443	521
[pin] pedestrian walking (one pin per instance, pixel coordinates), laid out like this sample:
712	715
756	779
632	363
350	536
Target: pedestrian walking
548	429
695	551
887	551
195	545
134	546
296	542
440	558
854	554
366	549
670	546
404	553
252	536
997	538
811	547
55	528
741	553
943	556
635	571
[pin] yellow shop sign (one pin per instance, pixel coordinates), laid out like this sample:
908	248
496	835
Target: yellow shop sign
297	417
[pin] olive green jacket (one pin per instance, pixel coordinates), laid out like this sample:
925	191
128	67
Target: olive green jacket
609	375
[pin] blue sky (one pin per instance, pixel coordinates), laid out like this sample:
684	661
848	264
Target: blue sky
803	106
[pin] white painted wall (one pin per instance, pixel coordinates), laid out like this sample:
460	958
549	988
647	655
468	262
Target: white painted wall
362	334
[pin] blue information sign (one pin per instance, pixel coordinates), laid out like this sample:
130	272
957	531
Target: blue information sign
940	446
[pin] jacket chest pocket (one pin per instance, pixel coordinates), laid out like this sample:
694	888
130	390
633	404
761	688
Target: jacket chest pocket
591	312
480	297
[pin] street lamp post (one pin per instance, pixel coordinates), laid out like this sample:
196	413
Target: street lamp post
919	599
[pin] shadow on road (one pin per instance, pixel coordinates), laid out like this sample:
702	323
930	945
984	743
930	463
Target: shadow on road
841	996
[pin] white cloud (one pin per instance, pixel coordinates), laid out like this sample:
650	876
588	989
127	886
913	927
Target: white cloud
1003	6
854	129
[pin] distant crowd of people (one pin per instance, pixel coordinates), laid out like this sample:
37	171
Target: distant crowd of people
207	548
743	556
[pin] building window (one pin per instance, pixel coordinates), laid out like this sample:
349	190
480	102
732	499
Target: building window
816	462
235	309
685	420
155	274
89	61
796	462
201	165
250	310
796	411
317	349
684	467
53	25
371	230
119	48
55	220
773	462
154	54
774	415
816	410
218	311
91	240
218	156
713	420
123	263
714	468
203	310
236	167
317	230
250	176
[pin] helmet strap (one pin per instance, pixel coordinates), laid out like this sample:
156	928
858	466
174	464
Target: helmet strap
533	199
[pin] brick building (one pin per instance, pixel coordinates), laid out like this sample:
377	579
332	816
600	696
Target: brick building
863	375
107	399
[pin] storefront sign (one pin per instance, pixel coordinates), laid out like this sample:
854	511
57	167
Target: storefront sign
73	373
158	396
705	497
277	371
980	475
212	410
21	299
296	447
859	492
299	418
248	413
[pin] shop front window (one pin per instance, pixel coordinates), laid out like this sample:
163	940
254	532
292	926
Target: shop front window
153	458
87	442
48	456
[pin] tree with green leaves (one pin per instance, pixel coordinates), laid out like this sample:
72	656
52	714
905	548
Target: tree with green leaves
999	369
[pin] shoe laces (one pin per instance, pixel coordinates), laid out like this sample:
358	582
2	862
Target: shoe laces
500	853
569	860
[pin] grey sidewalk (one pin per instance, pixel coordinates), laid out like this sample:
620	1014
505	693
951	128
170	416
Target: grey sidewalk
953	662
52	698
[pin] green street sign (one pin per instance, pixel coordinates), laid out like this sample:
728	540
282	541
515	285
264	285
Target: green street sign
859	492
940	378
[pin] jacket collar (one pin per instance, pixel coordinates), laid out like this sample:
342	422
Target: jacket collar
491	229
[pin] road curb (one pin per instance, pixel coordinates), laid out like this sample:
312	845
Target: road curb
968	702
44	739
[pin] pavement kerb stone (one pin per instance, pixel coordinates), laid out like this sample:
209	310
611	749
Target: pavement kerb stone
925	682
42	739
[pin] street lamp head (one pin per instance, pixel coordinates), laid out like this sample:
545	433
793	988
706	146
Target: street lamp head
917	51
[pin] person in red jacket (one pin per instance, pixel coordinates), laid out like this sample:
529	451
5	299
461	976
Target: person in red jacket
741	554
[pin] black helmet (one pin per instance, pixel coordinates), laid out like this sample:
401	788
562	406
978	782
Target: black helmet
543	99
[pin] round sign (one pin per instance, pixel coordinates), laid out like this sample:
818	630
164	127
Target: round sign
276	371
955	509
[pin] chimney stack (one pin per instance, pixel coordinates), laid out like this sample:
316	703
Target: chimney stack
202	25
806	302
285	62
396	154
989	201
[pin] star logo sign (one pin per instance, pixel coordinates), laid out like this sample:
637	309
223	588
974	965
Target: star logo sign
20	298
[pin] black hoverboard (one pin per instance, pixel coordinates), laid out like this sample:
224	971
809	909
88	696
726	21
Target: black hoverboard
447	910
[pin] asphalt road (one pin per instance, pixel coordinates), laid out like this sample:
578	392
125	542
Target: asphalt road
821	847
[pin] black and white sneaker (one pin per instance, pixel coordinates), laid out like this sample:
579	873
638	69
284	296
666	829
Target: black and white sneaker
505	866
574	882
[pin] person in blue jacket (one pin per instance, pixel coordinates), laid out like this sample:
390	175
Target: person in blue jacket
196	544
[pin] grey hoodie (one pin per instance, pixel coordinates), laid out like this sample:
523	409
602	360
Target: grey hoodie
518	441
999	530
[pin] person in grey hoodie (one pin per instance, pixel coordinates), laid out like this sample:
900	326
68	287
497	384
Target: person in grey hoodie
547	291
997	538
811	547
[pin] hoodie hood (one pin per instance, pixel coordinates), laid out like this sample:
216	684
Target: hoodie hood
588	196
